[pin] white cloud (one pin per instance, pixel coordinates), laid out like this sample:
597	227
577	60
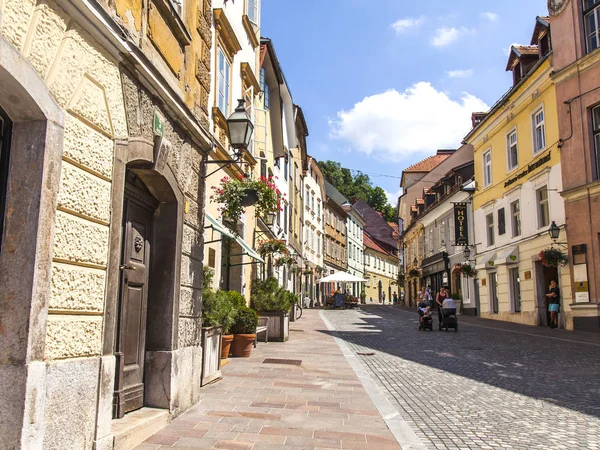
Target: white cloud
405	25
394	126
466	73
447	36
393	197
492	17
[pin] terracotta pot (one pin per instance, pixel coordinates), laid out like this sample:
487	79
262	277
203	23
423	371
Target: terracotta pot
226	345
242	345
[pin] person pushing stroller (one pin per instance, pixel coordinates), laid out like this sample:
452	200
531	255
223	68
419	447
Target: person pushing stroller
446	310
425	315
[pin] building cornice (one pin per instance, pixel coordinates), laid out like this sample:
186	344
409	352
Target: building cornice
250	30
581	192
248	77
576	67
226	32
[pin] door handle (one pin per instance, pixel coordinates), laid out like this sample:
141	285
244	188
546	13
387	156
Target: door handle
127	267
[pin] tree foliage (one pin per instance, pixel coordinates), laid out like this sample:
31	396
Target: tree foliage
358	186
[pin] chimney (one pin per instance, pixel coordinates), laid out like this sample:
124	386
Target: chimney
477	118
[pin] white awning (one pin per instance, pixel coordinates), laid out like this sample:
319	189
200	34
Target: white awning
509	255
342	277
218	226
249	250
486	261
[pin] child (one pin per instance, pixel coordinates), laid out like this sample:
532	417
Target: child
426	315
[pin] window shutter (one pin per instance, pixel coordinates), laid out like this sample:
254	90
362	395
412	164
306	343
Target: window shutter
501	222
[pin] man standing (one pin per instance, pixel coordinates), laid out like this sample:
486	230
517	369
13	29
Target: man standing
553	303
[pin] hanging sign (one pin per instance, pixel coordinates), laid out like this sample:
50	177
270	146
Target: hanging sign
461	225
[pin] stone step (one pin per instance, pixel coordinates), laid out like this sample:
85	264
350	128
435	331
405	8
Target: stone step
137	426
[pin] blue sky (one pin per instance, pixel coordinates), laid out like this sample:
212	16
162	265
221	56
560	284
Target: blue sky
384	84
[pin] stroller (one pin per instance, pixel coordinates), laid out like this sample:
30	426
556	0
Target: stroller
427	322
448	319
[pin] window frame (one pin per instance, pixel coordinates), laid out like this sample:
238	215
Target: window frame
596	140
595	10
512	165
252	19
490	229
222	52
542	203
534	127
264	87
515	218
516	304
487	182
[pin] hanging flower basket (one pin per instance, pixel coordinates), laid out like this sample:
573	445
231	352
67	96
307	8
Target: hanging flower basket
308	272
285	260
295	269
234	194
414	273
553	257
468	270
272	247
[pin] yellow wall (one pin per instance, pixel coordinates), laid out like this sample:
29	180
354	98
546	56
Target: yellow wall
516	112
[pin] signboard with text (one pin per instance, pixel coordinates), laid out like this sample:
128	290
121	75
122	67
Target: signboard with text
461	225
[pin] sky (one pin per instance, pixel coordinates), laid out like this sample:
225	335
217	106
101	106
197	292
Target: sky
383	84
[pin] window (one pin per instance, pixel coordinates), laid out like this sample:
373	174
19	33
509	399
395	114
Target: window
501	221
539	131
487	168
223	82
442	235
489	220
515	289
265	90
285	218
178	5
596	131
591	19
252	11
285	170
543	212
212	257
515	211
319	209
512	156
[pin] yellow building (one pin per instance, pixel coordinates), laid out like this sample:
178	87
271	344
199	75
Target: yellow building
381	272
518	176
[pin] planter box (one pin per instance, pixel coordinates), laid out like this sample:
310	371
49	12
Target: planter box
293	312
279	325
211	354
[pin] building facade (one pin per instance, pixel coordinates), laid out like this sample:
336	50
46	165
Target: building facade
356	259
381	272
576	65
105	132
314	193
335	240
518	176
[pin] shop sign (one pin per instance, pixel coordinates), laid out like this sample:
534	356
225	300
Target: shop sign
530	168
461	225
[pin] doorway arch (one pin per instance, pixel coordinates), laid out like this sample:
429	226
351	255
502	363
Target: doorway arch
32	179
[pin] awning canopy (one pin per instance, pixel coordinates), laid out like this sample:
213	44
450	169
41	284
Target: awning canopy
249	250
486	261
227	233
342	277
508	256
218	226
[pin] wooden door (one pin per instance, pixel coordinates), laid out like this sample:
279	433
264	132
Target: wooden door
131	334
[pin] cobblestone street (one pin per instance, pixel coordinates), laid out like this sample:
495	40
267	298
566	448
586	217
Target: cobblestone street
480	388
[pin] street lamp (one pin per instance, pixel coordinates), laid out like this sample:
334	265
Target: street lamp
415	262
269	220
240	128
554	231
467	252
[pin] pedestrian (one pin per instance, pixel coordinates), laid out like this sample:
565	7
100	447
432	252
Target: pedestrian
425	296
395	298
439	299
553	303
383	296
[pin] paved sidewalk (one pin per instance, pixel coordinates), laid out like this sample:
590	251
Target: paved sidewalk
320	404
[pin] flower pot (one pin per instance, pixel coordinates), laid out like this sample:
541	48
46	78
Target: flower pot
211	356
242	345
279	325
250	198
226	341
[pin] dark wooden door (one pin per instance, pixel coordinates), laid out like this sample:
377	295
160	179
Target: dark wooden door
131	335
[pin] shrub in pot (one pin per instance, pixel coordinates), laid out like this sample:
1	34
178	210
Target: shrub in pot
244	330
273	302
219	310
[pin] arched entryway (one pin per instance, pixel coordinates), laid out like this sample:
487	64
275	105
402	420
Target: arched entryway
30	163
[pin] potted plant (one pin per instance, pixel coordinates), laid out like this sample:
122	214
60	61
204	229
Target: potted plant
244	330
238	302
274	302
414	273
272	247
468	270
236	193
553	257
285	260
457	299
